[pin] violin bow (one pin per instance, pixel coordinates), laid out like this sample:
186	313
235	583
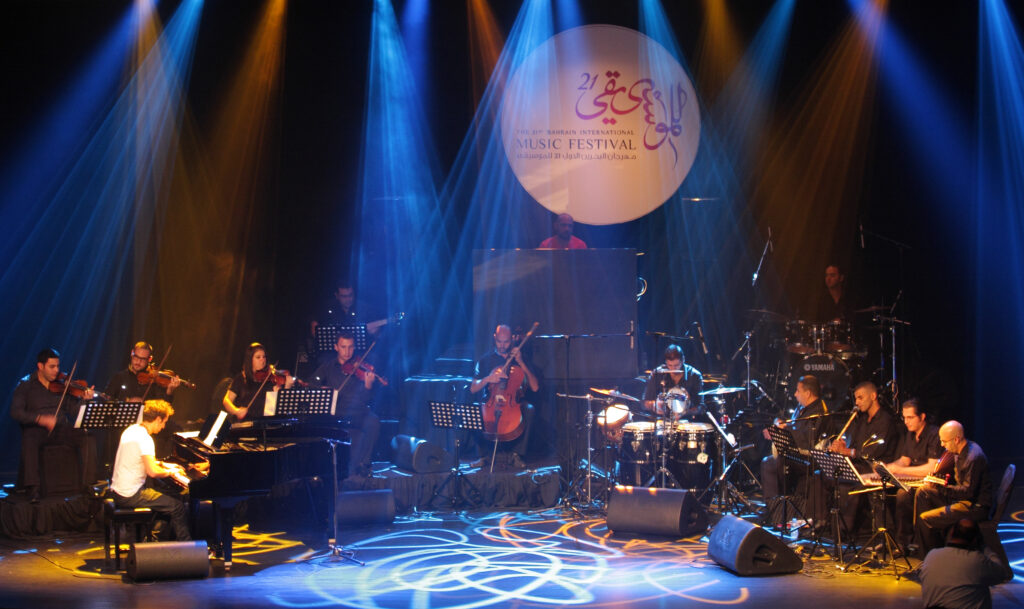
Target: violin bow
64	394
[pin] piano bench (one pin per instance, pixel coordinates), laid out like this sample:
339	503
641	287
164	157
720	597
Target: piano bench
114	518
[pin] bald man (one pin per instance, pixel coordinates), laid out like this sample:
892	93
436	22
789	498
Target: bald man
562	239
969	495
490	371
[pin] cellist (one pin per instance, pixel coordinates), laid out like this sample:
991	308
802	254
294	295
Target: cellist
489	374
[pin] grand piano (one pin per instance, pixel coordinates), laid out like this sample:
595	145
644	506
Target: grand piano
247	459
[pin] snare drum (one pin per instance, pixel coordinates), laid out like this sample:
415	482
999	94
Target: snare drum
610	421
689	454
672	404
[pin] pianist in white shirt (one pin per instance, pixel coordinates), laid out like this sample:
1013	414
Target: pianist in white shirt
136	459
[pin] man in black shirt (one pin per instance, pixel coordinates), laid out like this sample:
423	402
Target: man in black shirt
968	496
874	435
355	389
489	372
806	431
834	303
919	453
678	378
125	385
35	407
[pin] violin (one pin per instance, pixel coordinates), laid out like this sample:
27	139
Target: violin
360	370
161	377
77	388
277	377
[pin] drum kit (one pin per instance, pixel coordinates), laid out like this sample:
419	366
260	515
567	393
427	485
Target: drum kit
660	448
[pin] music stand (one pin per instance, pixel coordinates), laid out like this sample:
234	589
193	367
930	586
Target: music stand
108	415
837	468
787	449
886	477
326	336
456	416
300	401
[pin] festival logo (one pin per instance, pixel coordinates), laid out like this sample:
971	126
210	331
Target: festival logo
601	122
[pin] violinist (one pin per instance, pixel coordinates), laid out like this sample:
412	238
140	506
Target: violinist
490	370
248	391
125	384
35	406
354	381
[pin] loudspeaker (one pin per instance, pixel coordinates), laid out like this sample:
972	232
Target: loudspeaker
655	511
420	456
365	507
168	560
747	549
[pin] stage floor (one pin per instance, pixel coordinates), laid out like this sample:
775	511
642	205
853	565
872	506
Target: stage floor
446	560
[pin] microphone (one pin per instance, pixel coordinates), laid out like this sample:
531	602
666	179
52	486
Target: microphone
874	440
631	335
861	225
700	335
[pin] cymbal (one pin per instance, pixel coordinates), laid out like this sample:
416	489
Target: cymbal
722	390
873	309
614	393
766	315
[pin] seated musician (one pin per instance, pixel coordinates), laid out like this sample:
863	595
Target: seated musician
136	459
34	406
969	495
247	394
490	371
354	384
125	385
873	436
675	377
806	433
919	453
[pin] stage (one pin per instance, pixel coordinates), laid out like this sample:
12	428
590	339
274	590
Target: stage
477	559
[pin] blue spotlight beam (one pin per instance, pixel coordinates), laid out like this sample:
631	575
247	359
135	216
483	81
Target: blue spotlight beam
71	269
999	229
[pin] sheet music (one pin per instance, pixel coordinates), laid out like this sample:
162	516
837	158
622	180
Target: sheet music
221	417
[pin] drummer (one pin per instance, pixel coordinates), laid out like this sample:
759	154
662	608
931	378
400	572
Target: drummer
673	390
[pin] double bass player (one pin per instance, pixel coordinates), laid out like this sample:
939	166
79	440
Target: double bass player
491	372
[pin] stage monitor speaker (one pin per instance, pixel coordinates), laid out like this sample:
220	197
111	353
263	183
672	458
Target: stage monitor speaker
168	560
354	508
656	511
420	456
747	549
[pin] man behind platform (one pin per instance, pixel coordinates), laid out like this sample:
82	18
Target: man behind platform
562	239
968	496
354	387
35	407
136	460
834	303
489	371
125	385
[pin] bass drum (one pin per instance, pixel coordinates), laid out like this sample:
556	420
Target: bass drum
832	373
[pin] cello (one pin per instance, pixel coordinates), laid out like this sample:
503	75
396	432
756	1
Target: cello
502	414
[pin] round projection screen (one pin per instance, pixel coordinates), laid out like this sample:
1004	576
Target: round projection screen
601	122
